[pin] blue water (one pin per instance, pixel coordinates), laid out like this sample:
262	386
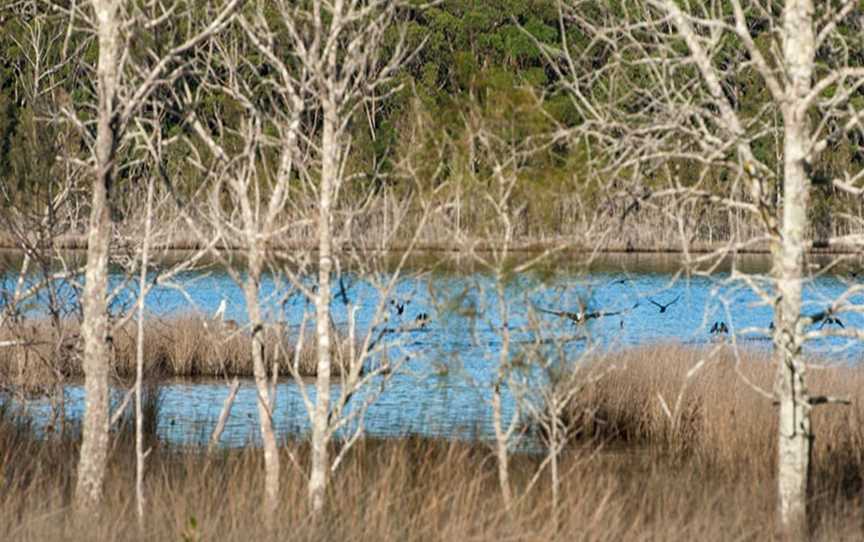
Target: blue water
447	367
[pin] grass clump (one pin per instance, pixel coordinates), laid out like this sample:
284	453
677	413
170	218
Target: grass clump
183	346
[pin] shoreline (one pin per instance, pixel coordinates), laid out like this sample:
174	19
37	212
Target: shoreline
530	246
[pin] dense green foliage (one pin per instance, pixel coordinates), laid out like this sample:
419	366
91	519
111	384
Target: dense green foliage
480	69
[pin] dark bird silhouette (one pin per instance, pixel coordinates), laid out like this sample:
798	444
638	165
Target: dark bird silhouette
831	320
581	317
719	328
399	306
343	292
666	306
422	320
825	318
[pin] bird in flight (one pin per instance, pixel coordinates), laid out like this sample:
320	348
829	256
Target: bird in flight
663	307
825	317
831	320
581	316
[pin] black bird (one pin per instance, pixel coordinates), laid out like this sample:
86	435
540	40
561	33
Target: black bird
825	317
422	319
831	320
343	292
667	305
719	328
400	306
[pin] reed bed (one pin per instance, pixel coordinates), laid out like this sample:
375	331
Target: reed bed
182	346
719	415
630	474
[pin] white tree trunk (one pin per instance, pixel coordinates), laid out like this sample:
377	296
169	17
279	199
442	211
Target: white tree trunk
502	436
140	455
320	426
795	436
554	448
502	454
94	329
223	415
259	369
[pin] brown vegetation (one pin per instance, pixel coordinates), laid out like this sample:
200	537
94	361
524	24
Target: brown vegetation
722	421
630	474
185	346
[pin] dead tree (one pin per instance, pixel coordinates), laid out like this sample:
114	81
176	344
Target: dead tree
494	298
339	48
123	83
665	102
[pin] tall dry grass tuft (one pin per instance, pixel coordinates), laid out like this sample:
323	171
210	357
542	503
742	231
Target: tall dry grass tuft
184	346
716	415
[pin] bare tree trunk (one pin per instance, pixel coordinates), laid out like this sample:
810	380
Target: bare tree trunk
140	455
502	436
501	452
223	416
554	439
271	451
320	426
94	329
795	436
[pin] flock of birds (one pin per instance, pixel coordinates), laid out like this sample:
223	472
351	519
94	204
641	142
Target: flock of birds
422	319
718	329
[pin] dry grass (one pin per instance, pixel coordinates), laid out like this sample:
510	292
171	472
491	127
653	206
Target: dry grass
721	421
636	478
185	346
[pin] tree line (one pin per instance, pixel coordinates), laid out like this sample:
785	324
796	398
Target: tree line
481	62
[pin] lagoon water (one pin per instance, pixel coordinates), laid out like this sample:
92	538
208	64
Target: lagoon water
447	367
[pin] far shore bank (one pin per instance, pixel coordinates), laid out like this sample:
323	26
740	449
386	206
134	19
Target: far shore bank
558	245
